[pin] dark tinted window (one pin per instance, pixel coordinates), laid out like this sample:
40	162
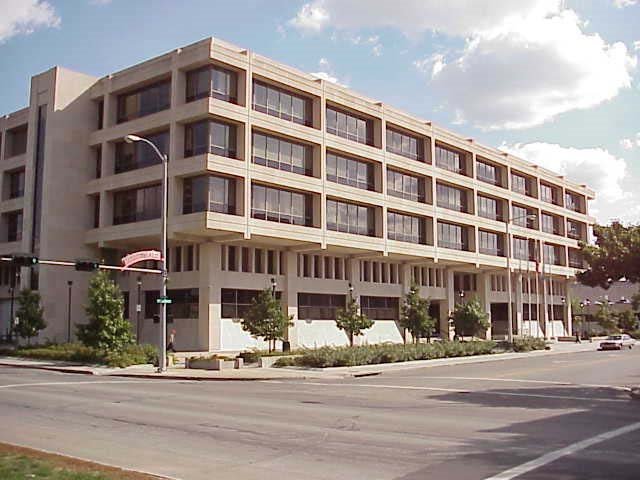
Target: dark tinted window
137	204
449	159
452	236
350	218
283	206
212	81
350	126
131	156
403	185
144	101
349	171
209	193
281	103
404	144
210	136
405	228
282	154
318	306
451	198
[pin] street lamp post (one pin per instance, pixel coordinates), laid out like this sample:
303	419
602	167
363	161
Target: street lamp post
70	285
509	287
162	364
138	310
274	284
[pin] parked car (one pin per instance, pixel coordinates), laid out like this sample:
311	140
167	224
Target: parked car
617	342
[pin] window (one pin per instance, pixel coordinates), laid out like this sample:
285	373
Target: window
282	154
131	156
318	306
283	206
137	204
550	224
450	159
490	243
451	198
548	193
232	258
452	236
523	249
16	184
98	159
406	228
258	265
14	226
212	81
96	211
209	193
403	185
100	114
349	171
16	139
185	303
209	136
350	218
281	103
236	302
349	126
406	145
488	173
521	216
489	208
575	258
177	259
521	184
144	101
189	264
572	202
552	254
380	308
574	230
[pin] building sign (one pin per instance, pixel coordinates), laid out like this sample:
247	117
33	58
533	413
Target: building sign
137	257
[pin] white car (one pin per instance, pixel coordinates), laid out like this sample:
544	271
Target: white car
617	342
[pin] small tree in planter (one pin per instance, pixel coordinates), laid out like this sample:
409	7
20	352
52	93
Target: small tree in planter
470	319
266	319
107	329
29	314
415	315
351	320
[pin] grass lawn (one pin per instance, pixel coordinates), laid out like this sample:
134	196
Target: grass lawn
18	463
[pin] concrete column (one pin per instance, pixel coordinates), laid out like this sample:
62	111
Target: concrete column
484	293
568	309
209	319
518	300
451	305
290	296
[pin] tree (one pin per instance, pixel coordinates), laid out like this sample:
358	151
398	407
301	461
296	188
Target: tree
266	319
107	328
616	254
351	320
577	312
470	318
415	315
29	314
626	320
605	318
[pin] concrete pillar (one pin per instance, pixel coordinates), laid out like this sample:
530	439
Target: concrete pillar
209	320
290	296
484	294
518	307
568	309
445	328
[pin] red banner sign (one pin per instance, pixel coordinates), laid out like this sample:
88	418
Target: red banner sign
137	257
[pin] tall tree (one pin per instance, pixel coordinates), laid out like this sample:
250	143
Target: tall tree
470	319
616	254
626	320
266	319
107	328
30	315
415	315
605	318
352	321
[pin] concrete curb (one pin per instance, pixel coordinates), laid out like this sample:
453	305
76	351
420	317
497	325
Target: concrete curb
50	368
635	393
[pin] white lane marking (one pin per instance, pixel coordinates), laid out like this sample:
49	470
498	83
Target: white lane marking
517	380
455	390
88	382
553	456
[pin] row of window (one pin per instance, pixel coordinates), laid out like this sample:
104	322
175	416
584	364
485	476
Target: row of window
322	266
252	260
380	272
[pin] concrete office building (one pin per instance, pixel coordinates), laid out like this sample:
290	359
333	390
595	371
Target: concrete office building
275	177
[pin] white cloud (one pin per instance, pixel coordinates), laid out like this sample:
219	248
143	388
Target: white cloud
326	73
524	62
596	167
22	17
636	45
630	143
376	50
624	3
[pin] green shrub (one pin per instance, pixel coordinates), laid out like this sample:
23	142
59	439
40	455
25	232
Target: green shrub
527	344
384	353
76	352
635	334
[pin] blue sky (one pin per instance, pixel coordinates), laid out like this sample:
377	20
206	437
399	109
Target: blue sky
555	82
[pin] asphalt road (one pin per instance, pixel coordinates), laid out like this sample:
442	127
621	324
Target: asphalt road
556	417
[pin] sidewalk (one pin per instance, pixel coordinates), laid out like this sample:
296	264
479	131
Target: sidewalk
292	373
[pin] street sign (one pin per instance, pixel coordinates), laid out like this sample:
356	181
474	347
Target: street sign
163	300
138	308
141	256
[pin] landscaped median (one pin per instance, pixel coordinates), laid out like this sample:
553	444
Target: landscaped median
78	353
325	357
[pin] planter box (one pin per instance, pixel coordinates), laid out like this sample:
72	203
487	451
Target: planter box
212	364
266	362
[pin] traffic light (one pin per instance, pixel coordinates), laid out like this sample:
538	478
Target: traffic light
87	265
23	259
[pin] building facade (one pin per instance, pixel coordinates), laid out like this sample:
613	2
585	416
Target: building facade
279	180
